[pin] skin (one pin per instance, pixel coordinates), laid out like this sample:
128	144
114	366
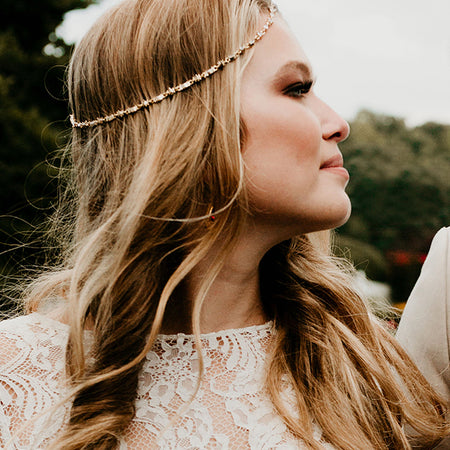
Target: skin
289	138
290	135
292	189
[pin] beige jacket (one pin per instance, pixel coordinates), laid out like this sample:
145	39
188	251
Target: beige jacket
424	329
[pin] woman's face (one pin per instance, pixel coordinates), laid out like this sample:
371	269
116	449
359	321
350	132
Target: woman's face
293	165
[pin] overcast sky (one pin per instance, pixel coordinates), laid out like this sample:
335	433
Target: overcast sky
390	56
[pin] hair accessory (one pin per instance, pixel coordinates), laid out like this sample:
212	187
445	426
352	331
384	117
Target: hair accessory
181	87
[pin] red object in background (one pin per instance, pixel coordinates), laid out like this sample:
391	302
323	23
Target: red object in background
405	258
391	324
422	257
400	257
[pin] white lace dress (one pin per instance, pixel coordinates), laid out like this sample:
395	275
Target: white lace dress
230	411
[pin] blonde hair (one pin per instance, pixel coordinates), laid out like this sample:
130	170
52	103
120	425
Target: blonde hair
142	186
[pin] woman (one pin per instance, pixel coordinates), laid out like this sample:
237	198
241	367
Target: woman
192	307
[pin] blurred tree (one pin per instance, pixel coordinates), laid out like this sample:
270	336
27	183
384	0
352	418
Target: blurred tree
32	113
399	187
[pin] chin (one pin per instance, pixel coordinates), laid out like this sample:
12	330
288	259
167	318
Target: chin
344	217
337	215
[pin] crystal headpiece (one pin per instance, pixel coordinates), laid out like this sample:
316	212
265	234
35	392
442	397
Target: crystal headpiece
181	87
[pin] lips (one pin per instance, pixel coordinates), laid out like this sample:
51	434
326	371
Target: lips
335	165
334	161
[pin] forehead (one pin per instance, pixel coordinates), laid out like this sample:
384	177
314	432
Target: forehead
277	54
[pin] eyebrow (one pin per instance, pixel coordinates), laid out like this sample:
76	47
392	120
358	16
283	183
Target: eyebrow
294	66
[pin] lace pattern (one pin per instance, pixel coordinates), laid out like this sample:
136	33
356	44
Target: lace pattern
231	409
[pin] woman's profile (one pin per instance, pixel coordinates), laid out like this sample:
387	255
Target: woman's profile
195	303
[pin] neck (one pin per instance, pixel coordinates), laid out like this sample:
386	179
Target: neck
233	300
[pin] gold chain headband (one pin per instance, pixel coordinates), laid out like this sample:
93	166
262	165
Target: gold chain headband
181	87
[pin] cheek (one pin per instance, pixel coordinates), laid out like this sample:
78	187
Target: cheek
286	129
282	141
282	167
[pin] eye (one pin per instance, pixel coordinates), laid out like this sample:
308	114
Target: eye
298	90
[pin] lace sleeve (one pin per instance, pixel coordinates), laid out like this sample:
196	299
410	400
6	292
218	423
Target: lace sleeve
31	367
8	352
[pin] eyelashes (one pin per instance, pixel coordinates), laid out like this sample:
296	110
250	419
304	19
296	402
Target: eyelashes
298	90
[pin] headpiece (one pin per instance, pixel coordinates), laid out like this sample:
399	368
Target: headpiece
181	87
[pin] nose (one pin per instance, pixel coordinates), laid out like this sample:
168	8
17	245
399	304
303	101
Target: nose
334	127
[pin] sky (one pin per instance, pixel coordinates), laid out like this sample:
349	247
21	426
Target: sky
389	56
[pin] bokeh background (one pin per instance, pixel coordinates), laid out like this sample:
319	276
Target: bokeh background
384	66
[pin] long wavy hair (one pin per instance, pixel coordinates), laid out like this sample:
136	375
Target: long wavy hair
132	224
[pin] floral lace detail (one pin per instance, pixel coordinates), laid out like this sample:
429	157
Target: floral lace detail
230	410
31	368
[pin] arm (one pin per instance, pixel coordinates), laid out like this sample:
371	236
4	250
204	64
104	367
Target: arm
425	324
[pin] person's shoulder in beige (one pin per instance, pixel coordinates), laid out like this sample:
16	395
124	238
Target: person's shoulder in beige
424	329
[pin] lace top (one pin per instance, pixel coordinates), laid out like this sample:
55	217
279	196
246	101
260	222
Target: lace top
230	411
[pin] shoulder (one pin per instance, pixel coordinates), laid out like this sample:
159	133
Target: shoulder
27	333
424	329
440	250
432	286
32	352
33	344
29	324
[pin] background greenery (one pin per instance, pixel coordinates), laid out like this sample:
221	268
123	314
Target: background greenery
400	191
33	112
399	184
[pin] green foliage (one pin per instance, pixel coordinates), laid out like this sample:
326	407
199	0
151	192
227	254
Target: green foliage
32	116
32	22
399	185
